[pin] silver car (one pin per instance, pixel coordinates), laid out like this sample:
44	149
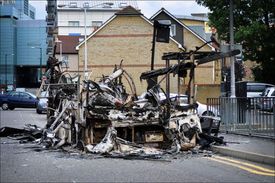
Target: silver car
42	104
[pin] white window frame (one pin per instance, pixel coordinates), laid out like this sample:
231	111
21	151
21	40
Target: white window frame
173	30
73	23
96	23
65	61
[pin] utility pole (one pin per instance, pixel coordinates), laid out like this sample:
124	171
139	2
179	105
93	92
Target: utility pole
40	64
85	54
232	59
6	72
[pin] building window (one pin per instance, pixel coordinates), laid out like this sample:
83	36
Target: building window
65	59
86	5
122	5
26	7
96	24
32	14
74	23
173	30
73	5
74	34
3	2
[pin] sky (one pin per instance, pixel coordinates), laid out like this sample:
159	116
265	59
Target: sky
148	8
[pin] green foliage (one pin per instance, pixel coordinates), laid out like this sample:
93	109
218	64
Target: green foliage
253	28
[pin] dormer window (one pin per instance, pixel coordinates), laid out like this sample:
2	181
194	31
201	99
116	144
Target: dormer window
173	30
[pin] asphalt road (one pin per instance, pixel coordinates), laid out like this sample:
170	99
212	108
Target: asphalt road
24	163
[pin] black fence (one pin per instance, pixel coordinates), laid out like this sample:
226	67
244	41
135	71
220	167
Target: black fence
249	116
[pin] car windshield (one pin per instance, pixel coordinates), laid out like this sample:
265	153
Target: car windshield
31	94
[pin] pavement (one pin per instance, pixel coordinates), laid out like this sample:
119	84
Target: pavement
254	149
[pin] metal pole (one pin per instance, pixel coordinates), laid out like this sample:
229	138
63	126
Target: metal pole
153	48
232	59
152	81
167	64
78	92
192	85
40	63
178	99
6	72
85	54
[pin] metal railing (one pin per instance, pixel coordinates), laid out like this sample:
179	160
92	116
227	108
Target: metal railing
247	116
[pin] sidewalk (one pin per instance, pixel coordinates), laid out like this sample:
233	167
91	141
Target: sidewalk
249	148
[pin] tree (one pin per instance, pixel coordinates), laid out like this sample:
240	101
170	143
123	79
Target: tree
253	27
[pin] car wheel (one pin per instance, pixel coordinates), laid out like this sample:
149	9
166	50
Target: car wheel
38	111
5	106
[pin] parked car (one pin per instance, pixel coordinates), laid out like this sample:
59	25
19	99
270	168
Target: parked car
42	104
16	99
267	103
252	91
256	89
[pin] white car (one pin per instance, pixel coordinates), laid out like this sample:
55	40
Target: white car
267	103
183	101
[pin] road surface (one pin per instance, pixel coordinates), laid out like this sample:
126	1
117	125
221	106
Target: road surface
24	163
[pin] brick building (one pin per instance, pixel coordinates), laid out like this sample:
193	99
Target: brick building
127	36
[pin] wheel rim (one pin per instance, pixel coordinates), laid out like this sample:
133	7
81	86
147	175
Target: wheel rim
5	106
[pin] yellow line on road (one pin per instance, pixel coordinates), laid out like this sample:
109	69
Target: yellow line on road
244	168
246	164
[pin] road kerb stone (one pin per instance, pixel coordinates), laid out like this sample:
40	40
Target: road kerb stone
259	158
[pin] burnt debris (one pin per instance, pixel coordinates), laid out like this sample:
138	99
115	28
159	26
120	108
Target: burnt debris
107	117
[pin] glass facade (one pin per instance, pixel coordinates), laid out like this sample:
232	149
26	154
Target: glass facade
22	47
8	47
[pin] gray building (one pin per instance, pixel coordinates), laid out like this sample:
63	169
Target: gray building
22	45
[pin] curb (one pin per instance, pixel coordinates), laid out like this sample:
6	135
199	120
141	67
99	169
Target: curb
259	158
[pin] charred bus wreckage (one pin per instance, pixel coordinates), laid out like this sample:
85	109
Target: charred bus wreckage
103	117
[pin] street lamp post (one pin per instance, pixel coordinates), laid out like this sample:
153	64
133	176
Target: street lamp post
85	46
232	58
40	64
6	72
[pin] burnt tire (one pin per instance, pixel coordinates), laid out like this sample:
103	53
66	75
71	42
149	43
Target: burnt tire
5	106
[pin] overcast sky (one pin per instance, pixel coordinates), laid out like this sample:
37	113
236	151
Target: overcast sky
148	8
